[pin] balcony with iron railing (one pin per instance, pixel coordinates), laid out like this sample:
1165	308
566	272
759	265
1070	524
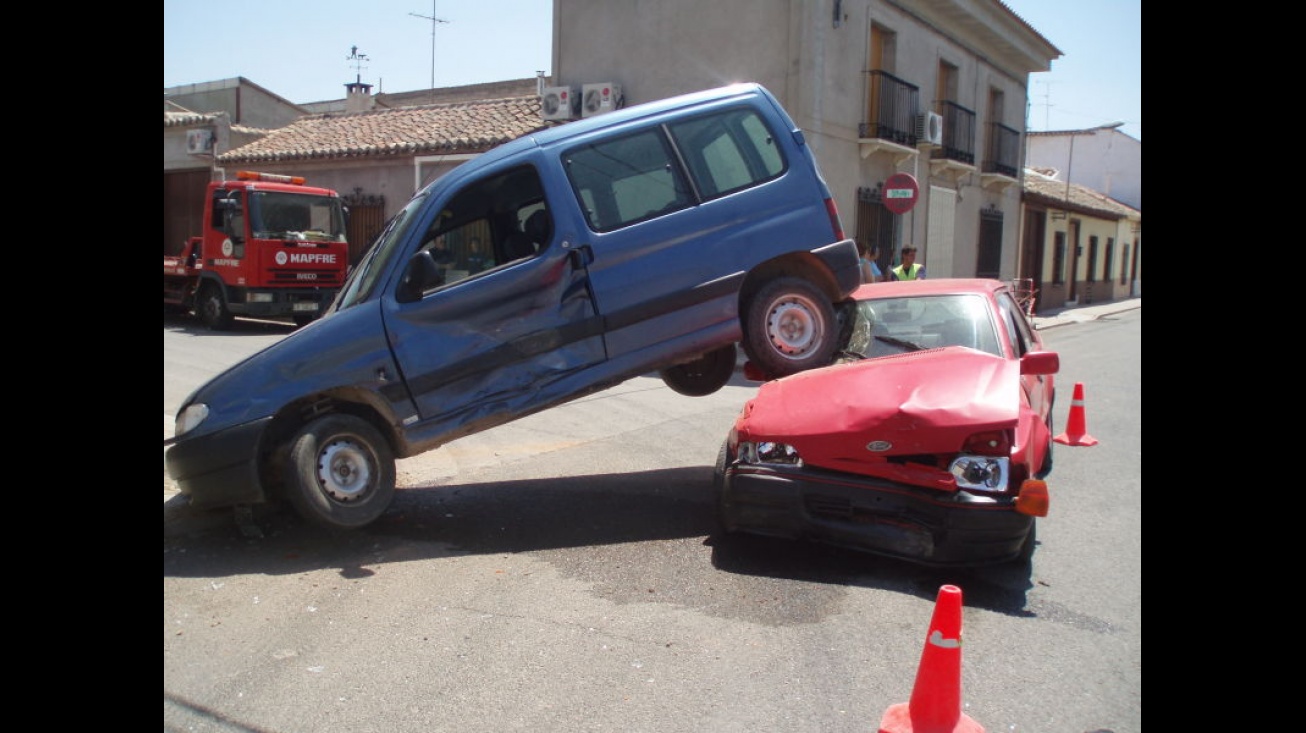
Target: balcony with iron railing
1001	165
891	123
955	157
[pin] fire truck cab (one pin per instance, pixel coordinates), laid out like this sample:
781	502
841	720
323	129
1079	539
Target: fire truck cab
272	247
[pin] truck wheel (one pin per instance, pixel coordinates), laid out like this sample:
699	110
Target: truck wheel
789	327
212	308
340	472
704	375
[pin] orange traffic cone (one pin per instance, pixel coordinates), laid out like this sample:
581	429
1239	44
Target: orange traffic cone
1076	431
935	705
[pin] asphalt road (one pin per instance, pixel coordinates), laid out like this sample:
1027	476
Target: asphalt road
560	573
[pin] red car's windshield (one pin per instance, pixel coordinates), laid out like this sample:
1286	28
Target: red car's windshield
886	326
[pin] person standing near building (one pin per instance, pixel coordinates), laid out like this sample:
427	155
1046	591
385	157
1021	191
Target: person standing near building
908	270
870	270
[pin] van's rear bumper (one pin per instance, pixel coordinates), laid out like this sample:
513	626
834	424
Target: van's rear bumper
844	262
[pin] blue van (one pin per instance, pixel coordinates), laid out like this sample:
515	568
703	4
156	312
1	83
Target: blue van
652	238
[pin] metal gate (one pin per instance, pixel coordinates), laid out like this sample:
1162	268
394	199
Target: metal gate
366	219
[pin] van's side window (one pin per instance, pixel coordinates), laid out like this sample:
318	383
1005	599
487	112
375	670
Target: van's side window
637	177
482	226
626	180
728	152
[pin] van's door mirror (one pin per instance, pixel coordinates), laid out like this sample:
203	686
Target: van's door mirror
421	274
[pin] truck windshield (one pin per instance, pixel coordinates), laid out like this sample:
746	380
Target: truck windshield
281	215
365	277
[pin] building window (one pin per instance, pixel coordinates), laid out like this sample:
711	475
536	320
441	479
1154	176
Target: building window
946	86
1059	258
881	51
988	260
1091	273
1124	265
1108	259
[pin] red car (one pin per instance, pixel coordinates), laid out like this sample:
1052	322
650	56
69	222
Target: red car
928	440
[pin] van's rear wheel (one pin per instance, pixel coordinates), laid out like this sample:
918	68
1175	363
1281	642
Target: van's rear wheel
340	472
704	375
789	327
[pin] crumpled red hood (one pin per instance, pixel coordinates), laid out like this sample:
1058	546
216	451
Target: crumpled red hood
921	402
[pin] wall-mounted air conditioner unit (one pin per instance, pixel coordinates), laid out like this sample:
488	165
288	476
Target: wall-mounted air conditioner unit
929	129
599	98
559	103
199	142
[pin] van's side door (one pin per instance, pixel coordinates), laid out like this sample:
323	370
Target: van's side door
499	338
678	213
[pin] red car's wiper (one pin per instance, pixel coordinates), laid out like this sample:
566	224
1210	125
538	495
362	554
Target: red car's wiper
899	343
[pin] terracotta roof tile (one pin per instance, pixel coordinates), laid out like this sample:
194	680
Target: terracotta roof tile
1056	193
175	115
469	127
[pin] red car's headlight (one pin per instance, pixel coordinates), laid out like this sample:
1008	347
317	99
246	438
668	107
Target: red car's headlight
766	451
981	473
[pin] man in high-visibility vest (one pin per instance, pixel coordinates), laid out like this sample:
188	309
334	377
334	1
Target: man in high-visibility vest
908	270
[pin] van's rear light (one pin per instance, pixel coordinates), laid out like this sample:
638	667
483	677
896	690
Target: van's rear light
833	211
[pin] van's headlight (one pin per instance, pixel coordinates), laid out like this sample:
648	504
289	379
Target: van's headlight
260	297
190	418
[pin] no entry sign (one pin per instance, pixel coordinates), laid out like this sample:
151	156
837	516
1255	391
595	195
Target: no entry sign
901	193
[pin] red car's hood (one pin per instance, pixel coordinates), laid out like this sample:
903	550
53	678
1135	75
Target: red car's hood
918	403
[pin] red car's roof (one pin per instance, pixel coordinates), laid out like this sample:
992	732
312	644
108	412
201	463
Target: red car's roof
940	286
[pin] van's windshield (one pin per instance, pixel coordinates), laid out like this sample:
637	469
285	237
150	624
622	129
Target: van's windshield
364	278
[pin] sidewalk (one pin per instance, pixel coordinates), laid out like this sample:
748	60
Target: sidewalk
1052	318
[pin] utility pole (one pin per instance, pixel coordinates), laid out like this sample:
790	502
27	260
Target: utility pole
434	21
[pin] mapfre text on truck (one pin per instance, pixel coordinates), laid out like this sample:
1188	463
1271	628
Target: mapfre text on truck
271	247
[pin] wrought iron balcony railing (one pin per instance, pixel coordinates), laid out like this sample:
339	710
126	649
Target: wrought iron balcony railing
892	108
958	134
1002	154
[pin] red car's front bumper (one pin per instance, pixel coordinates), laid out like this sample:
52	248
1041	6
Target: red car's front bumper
872	515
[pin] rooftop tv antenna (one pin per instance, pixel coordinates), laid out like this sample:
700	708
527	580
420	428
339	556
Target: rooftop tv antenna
434	21
358	59
1047	102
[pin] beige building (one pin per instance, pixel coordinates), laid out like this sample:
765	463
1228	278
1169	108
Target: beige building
932	88
1082	245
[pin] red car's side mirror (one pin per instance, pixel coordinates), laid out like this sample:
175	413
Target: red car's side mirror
1040	362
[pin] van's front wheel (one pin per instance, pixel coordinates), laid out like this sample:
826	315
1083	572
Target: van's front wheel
340	472
789	327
